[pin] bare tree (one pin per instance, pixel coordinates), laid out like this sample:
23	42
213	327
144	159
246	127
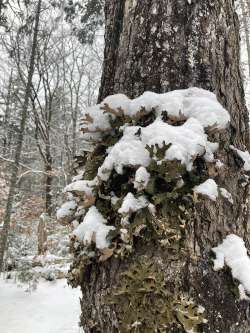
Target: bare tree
245	18
14	175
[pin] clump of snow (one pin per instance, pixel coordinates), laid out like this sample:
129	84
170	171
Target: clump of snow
184	104
84	186
245	156
128	151
233	253
209	188
132	204
67	209
94	122
195	103
142	177
227	195
93	228
186	142
198	108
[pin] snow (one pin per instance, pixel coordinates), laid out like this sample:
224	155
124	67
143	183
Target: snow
245	156
227	195
141	178
233	253
208	188
93	228
184	104
197	108
53	308
131	204
67	209
195	103
84	186
128	151
186	142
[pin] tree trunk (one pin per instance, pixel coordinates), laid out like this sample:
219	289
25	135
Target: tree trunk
7	136
42	235
246	31
24	113
162	45
48	181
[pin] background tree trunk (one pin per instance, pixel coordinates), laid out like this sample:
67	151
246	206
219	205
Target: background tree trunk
161	45
20	137
246	30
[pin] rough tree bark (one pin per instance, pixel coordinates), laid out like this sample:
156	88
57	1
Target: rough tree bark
7	136
20	137
161	45
48	180
246	30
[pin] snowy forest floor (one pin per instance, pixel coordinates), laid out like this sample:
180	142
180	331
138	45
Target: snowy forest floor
52	308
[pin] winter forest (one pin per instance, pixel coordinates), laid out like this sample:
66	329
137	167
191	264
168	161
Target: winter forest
124	166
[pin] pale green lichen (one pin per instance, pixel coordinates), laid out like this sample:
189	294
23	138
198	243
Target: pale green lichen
144	303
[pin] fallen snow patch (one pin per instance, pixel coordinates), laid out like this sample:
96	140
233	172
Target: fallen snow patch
53	307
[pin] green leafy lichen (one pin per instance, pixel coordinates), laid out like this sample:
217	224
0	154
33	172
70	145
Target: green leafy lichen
142	300
145	304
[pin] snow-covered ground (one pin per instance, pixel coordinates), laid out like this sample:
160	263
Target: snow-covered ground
52	308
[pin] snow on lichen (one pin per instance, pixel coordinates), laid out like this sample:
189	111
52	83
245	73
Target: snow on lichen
142	149
209	188
227	195
81	186
128	151
93	229
67	209
141	178
245	156
183	104
132	204
233	253
185	143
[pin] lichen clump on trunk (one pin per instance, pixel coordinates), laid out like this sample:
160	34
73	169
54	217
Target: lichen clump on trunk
144	302
136	190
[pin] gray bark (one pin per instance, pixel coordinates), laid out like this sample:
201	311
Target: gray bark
16	164
7	133
161	45
245	16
